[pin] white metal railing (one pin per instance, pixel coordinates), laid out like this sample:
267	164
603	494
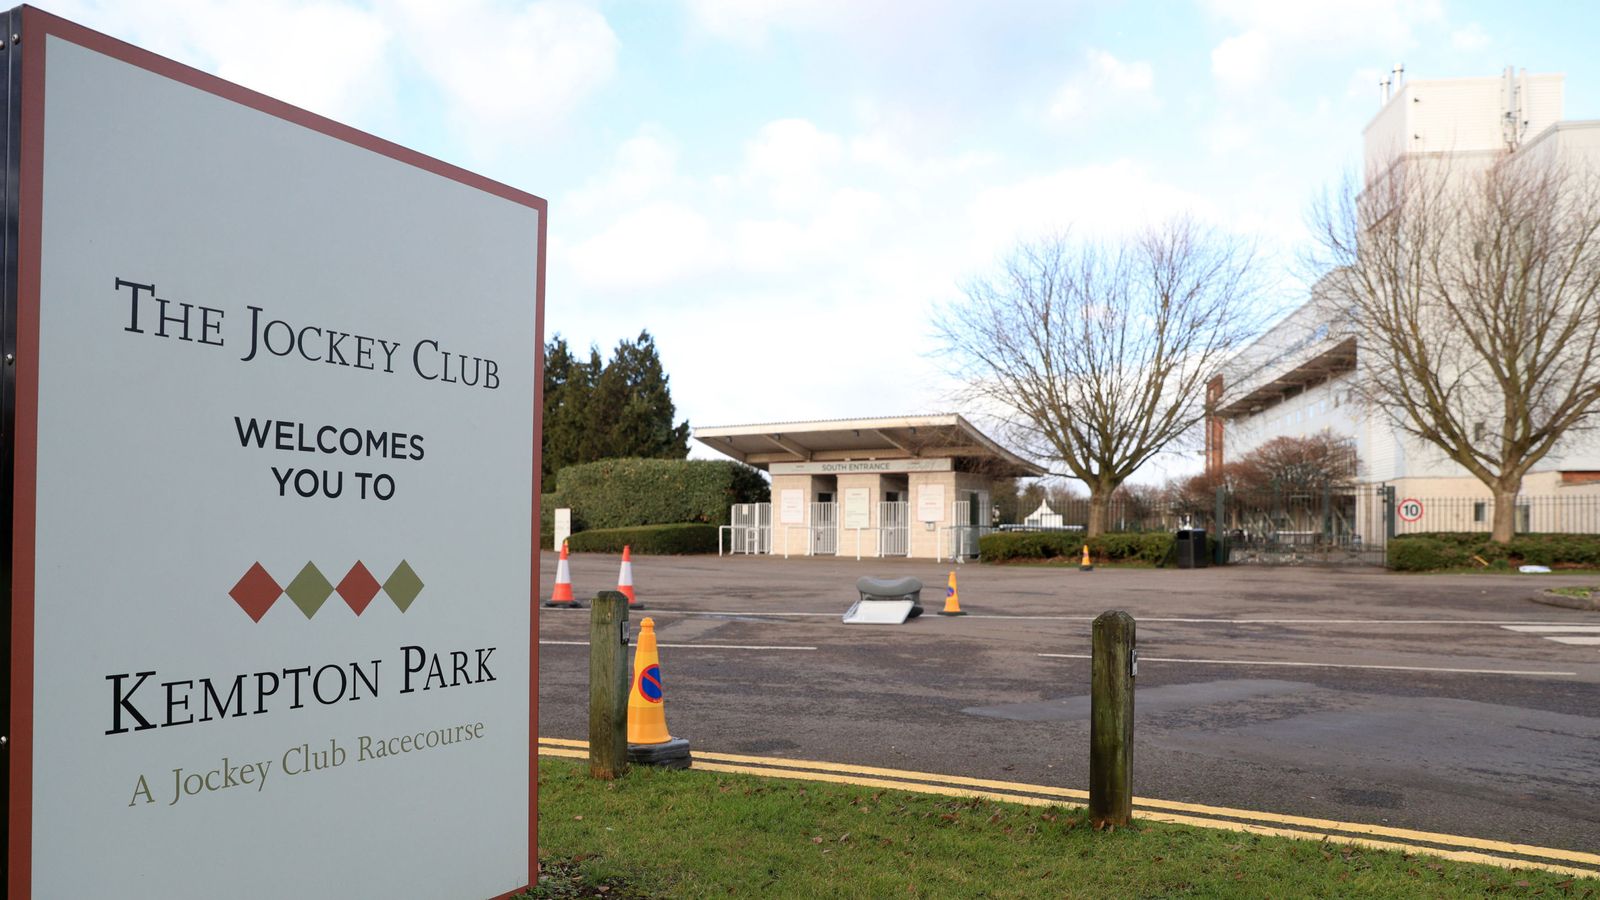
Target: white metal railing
962	541
877	532
746	539
789	530
750	531
824	529
894	523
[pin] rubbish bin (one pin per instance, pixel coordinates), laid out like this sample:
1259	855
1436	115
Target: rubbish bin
1191	548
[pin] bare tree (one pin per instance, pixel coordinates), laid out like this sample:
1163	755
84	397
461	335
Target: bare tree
1313	463
1096	355
1320	460
1476	292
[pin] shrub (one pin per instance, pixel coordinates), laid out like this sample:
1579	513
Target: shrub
689	537
1153	547
620	493
1419	554
1444	550
1556	549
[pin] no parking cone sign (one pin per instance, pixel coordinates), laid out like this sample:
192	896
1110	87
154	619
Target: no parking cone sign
649	742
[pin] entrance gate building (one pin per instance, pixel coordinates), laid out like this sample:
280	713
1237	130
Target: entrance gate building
912	486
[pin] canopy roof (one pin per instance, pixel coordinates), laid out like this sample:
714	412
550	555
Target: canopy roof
896	437
1335	360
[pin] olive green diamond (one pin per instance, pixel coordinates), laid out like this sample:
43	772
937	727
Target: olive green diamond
309	590
403	586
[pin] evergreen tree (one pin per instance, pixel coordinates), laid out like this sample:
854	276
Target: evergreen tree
632	405
599	410
568	385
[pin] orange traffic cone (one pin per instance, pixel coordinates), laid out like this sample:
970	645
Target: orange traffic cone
1086	565
952	600
649	742
625	579
561	595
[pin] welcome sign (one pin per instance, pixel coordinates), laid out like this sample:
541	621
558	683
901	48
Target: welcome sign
270	421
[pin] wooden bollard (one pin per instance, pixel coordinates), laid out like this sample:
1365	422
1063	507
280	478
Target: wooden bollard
1111	721
608	685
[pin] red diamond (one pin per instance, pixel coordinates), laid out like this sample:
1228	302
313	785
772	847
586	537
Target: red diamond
256	592
358	587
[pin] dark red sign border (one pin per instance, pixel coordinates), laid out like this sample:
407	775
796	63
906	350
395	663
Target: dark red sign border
28	40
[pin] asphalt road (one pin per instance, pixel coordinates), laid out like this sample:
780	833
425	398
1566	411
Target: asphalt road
1462	725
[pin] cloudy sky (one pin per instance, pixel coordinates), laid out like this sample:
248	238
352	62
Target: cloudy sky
782	190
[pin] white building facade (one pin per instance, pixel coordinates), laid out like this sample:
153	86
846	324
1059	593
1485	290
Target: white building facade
1302	376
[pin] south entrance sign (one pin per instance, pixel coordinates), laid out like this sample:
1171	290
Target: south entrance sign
270	456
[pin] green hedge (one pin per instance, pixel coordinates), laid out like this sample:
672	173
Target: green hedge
1152	547
692	537
1451	550
621	493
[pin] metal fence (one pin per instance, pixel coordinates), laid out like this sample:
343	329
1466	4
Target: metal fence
1290	526
749	531
1571	514
1329	525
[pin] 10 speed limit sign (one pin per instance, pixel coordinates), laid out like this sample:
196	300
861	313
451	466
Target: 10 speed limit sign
1410	509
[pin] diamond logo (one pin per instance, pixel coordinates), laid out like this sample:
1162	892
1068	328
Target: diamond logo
256	592
403	586
358	587
309	590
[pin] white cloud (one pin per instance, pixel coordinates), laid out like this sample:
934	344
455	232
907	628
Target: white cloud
792	159
644	166
1470	37
750	22
1242	60
1105	82
743	21
503	73
1270	35
1089	200
648	247
843	221
1227	134
506	72
339	52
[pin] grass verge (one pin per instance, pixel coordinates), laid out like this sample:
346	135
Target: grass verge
1578	593
662	833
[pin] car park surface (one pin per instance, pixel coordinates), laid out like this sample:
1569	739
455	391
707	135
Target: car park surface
1446	703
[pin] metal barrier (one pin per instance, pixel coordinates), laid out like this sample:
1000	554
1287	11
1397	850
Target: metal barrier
746	539
877	549
824	526
962	541
894	523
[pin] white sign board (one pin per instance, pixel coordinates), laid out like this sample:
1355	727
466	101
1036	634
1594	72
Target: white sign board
930	503
869	466
878	612
276	431
792	507
563	527
857	508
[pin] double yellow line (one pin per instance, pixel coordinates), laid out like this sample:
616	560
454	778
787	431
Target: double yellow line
1381	837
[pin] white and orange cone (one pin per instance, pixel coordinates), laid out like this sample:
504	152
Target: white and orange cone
561	595
625	579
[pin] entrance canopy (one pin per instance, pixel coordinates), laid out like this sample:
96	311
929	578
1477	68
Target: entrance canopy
906	442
